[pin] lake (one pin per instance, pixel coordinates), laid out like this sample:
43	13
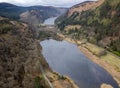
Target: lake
66	59
50	21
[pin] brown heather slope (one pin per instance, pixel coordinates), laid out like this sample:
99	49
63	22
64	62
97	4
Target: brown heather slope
18	61
84	6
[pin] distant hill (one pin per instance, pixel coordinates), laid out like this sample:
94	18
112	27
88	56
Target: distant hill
100	24
10	10
40	12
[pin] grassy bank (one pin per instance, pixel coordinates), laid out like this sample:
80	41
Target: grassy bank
108	57
110	62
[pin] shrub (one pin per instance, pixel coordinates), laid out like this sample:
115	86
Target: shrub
5	28
102	53
62	77
37	83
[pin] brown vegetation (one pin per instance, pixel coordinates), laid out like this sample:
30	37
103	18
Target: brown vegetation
84	6
18	58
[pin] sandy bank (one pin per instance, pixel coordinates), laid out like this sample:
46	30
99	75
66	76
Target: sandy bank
102	63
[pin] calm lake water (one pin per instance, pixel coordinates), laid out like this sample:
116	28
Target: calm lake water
50	21
66	59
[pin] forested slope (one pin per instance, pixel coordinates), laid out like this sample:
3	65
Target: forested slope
100	26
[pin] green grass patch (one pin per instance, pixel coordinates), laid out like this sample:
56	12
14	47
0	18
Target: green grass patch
38	82
109	57
112	60
62	77
117	53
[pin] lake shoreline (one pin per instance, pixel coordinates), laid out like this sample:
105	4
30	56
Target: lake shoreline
53	77
55	44
92	57
110	69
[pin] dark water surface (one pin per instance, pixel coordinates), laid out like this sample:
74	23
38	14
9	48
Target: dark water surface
65	58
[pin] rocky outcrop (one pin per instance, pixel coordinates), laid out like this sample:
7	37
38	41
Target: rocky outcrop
106	86
32	17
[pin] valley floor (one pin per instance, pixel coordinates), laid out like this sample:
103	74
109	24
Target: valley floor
110	62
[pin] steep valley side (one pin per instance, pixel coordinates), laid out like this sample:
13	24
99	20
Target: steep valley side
99	26
21	62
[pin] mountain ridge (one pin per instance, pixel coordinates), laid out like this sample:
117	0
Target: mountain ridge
12	11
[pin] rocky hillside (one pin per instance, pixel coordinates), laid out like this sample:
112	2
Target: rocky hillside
32	17
84	6
99	26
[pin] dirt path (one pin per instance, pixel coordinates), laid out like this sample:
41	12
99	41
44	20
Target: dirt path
45	77
41	68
